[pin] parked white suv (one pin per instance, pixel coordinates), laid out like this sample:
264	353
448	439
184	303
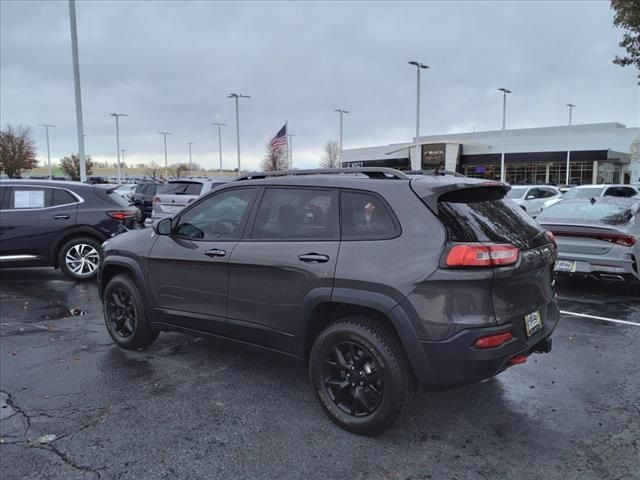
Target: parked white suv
532	197
590	191
174	195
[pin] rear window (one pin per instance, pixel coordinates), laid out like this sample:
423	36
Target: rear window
118	199
587	212
583	193
484	214
181	188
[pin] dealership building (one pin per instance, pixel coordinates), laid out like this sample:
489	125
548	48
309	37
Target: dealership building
598	153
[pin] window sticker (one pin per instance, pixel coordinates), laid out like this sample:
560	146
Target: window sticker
28	199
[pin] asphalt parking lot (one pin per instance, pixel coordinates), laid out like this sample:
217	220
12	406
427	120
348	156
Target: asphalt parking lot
74	406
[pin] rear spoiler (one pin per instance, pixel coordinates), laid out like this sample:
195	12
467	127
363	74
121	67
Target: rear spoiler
430	191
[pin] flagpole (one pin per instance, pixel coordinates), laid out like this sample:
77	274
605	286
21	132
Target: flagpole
286	132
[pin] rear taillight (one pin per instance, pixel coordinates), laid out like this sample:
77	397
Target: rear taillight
156	199
123	215
493	341
482	255
618	239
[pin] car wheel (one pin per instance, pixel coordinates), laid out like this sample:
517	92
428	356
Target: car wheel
125	316
79	258
361	375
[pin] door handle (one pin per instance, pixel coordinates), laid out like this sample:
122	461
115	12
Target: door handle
313	258
215	252
61	217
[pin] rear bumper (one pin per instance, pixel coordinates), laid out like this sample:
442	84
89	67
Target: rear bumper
455	361
601	267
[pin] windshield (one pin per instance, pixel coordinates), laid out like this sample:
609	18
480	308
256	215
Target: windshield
181	188
587	212
516	192
583	193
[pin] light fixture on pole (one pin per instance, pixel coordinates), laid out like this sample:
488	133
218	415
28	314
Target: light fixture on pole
219	125
166	164
504	91
571	107
341	112
76	89
290	148
117	116
189	145
237	96
46	127
419	66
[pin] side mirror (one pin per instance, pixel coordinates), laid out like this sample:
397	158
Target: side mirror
163	227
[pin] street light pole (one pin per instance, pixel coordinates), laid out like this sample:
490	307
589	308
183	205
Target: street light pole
341	112
46	127
189	144
504	91
419	66
166	165
219	125
237	96
76	88
571	107
117	116
290	148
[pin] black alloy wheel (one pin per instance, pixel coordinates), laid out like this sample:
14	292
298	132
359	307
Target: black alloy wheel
121	312
352	378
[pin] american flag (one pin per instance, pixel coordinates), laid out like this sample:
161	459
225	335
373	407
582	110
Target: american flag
280	140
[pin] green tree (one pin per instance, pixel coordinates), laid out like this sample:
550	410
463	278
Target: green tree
71	165
17	150
627	17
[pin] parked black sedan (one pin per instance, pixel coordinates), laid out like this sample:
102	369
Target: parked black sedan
59	224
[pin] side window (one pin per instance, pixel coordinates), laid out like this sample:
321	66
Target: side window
62	197
365	215
217	218
27	198
535	192
296	214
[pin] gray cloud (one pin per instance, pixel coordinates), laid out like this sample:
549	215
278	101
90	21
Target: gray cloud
170	65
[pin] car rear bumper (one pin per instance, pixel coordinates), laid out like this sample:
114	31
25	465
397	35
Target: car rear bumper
600	267
456	361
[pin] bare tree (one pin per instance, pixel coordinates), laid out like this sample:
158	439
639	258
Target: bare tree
71	165
179	169
153	171
17	150
330	156
275	159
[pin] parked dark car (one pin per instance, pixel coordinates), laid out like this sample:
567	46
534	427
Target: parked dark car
97	180
59	224
143	195
382	282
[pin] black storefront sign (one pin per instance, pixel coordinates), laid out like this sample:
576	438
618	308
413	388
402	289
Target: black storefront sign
397	163
433	154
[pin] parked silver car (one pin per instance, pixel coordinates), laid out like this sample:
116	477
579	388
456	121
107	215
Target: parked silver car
597	238
177	194
532	197
590	191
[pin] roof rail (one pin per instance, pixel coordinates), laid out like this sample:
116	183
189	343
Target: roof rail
371	172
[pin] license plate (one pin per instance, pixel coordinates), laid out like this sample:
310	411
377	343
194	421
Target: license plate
533	322
566	266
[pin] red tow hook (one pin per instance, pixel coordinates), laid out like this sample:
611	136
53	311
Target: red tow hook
518	360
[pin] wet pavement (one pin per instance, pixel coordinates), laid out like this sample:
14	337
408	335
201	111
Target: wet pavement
74	406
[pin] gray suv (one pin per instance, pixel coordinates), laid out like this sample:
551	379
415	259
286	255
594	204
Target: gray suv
382	282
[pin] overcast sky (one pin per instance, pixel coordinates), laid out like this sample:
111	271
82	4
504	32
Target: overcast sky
170	66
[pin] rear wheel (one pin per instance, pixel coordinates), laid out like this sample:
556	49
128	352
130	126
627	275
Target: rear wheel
125	316
361	375
79	258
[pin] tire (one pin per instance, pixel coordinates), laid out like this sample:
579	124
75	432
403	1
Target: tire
79	258
380	375
125	316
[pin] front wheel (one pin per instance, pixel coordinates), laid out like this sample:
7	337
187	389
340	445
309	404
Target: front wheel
125	315
361	375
